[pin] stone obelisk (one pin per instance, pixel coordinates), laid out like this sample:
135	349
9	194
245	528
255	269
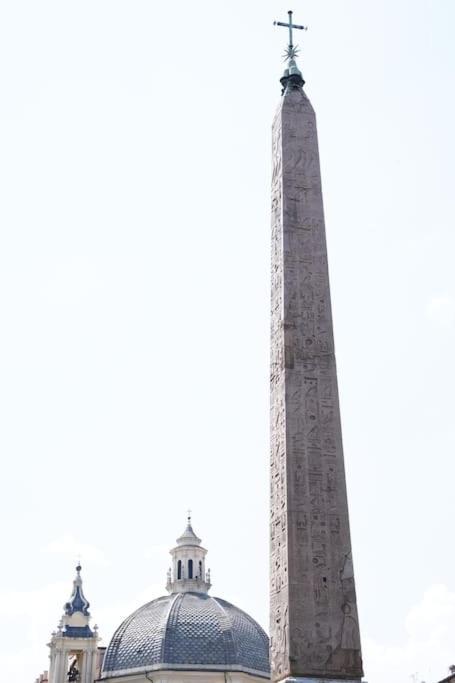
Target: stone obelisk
314	622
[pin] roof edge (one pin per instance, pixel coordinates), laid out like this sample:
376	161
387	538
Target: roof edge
184	667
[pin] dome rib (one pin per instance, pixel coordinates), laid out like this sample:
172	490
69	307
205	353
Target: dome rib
250	639
188	631
171	623
171	610
136	642
228	633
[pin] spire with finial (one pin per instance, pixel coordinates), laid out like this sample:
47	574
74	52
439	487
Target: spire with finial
188	537
292	77
77	601
188	564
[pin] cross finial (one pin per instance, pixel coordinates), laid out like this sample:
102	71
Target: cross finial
189	516
291	50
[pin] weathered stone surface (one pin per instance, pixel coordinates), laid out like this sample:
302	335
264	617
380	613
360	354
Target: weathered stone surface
314	622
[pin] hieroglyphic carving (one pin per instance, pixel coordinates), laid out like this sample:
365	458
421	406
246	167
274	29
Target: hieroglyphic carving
279	644
314	622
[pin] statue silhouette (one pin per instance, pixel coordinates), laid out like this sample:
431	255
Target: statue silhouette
73	673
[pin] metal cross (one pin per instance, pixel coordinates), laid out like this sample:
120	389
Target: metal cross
290	52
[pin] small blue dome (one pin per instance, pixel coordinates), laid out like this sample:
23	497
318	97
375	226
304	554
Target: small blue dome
188	631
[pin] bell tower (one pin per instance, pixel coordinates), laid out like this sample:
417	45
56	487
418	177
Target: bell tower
74	646
188	565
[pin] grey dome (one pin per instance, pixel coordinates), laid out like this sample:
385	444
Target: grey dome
188	631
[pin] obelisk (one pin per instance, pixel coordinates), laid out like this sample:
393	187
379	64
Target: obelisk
314	622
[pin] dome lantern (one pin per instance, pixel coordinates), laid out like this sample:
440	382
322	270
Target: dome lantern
188	633
188	564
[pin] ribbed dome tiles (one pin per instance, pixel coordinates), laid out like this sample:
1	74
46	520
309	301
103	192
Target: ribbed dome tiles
188	631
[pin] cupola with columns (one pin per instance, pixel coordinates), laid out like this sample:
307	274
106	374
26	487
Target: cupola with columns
188	572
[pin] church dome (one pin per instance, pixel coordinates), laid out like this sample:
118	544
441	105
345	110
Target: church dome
188	631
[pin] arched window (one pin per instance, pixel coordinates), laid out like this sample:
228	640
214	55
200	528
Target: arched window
179	569
190	569
200	569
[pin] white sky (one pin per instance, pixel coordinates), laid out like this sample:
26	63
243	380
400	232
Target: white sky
134	305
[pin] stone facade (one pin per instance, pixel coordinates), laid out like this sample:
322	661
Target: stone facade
314	623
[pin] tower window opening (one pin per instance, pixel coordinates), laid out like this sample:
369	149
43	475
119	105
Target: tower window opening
179	569
200	569
190	569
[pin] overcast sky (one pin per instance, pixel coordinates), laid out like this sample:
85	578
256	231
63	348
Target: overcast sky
134	305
